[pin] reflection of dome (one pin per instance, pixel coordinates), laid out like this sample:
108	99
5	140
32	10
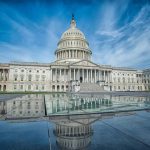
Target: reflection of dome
73	135
73	45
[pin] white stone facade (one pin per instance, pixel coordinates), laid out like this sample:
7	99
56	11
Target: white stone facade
73	63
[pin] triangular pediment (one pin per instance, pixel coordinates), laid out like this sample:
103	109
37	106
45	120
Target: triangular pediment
84	63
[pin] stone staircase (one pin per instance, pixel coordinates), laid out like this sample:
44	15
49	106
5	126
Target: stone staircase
90	87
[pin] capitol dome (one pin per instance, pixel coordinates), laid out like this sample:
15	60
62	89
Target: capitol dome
73	45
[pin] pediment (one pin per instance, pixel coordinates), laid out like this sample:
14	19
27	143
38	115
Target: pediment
84	63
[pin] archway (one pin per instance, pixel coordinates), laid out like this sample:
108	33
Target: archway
4	88
57	88
62	87
53	88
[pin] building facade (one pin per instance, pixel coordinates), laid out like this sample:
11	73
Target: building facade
73	64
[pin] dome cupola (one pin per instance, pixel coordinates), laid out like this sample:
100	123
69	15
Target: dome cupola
73	45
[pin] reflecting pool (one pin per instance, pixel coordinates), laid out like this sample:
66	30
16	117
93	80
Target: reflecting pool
74	121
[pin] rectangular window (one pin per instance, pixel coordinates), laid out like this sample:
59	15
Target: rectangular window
29	87
22	77
37	77
37	87
21	87
15	77
43	78
15	87
29	78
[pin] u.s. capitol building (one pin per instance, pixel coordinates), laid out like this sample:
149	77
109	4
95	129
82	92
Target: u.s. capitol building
73	67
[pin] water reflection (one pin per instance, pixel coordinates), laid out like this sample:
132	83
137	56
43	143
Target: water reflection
38	105
72	115
73	133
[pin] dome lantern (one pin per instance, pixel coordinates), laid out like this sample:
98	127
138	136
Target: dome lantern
73	22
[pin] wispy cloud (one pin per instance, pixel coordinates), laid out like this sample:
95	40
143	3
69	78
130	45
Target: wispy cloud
128	45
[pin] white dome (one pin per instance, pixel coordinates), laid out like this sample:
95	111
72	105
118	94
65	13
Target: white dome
73	45
73	33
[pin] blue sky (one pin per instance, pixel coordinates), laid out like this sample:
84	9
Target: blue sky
118	31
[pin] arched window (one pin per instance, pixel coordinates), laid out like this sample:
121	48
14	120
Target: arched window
53	88
57	87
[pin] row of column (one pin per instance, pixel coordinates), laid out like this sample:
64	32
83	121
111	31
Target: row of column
87	75
58	105
72	131
3	74
73	54
91	75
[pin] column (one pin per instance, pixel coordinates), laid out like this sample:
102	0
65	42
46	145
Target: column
91	75
87	75
110	76
72	53
64	74
69	53
104	75
56	74
70	73
51	79
74	74
3	75
60	74
95	76
99	75
83	54
78	74
83	75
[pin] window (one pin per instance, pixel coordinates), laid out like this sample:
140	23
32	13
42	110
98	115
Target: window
42	87
29	87
132	80
21	87
123	80
15	77
37	87
37	71
37	77
43	78
29	78
22	70
128	80
15	87
22	77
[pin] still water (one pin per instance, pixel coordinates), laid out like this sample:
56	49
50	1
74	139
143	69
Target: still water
74	121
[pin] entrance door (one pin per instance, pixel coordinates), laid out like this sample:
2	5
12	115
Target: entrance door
81	79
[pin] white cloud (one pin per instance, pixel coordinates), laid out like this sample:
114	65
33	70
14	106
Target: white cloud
128	45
